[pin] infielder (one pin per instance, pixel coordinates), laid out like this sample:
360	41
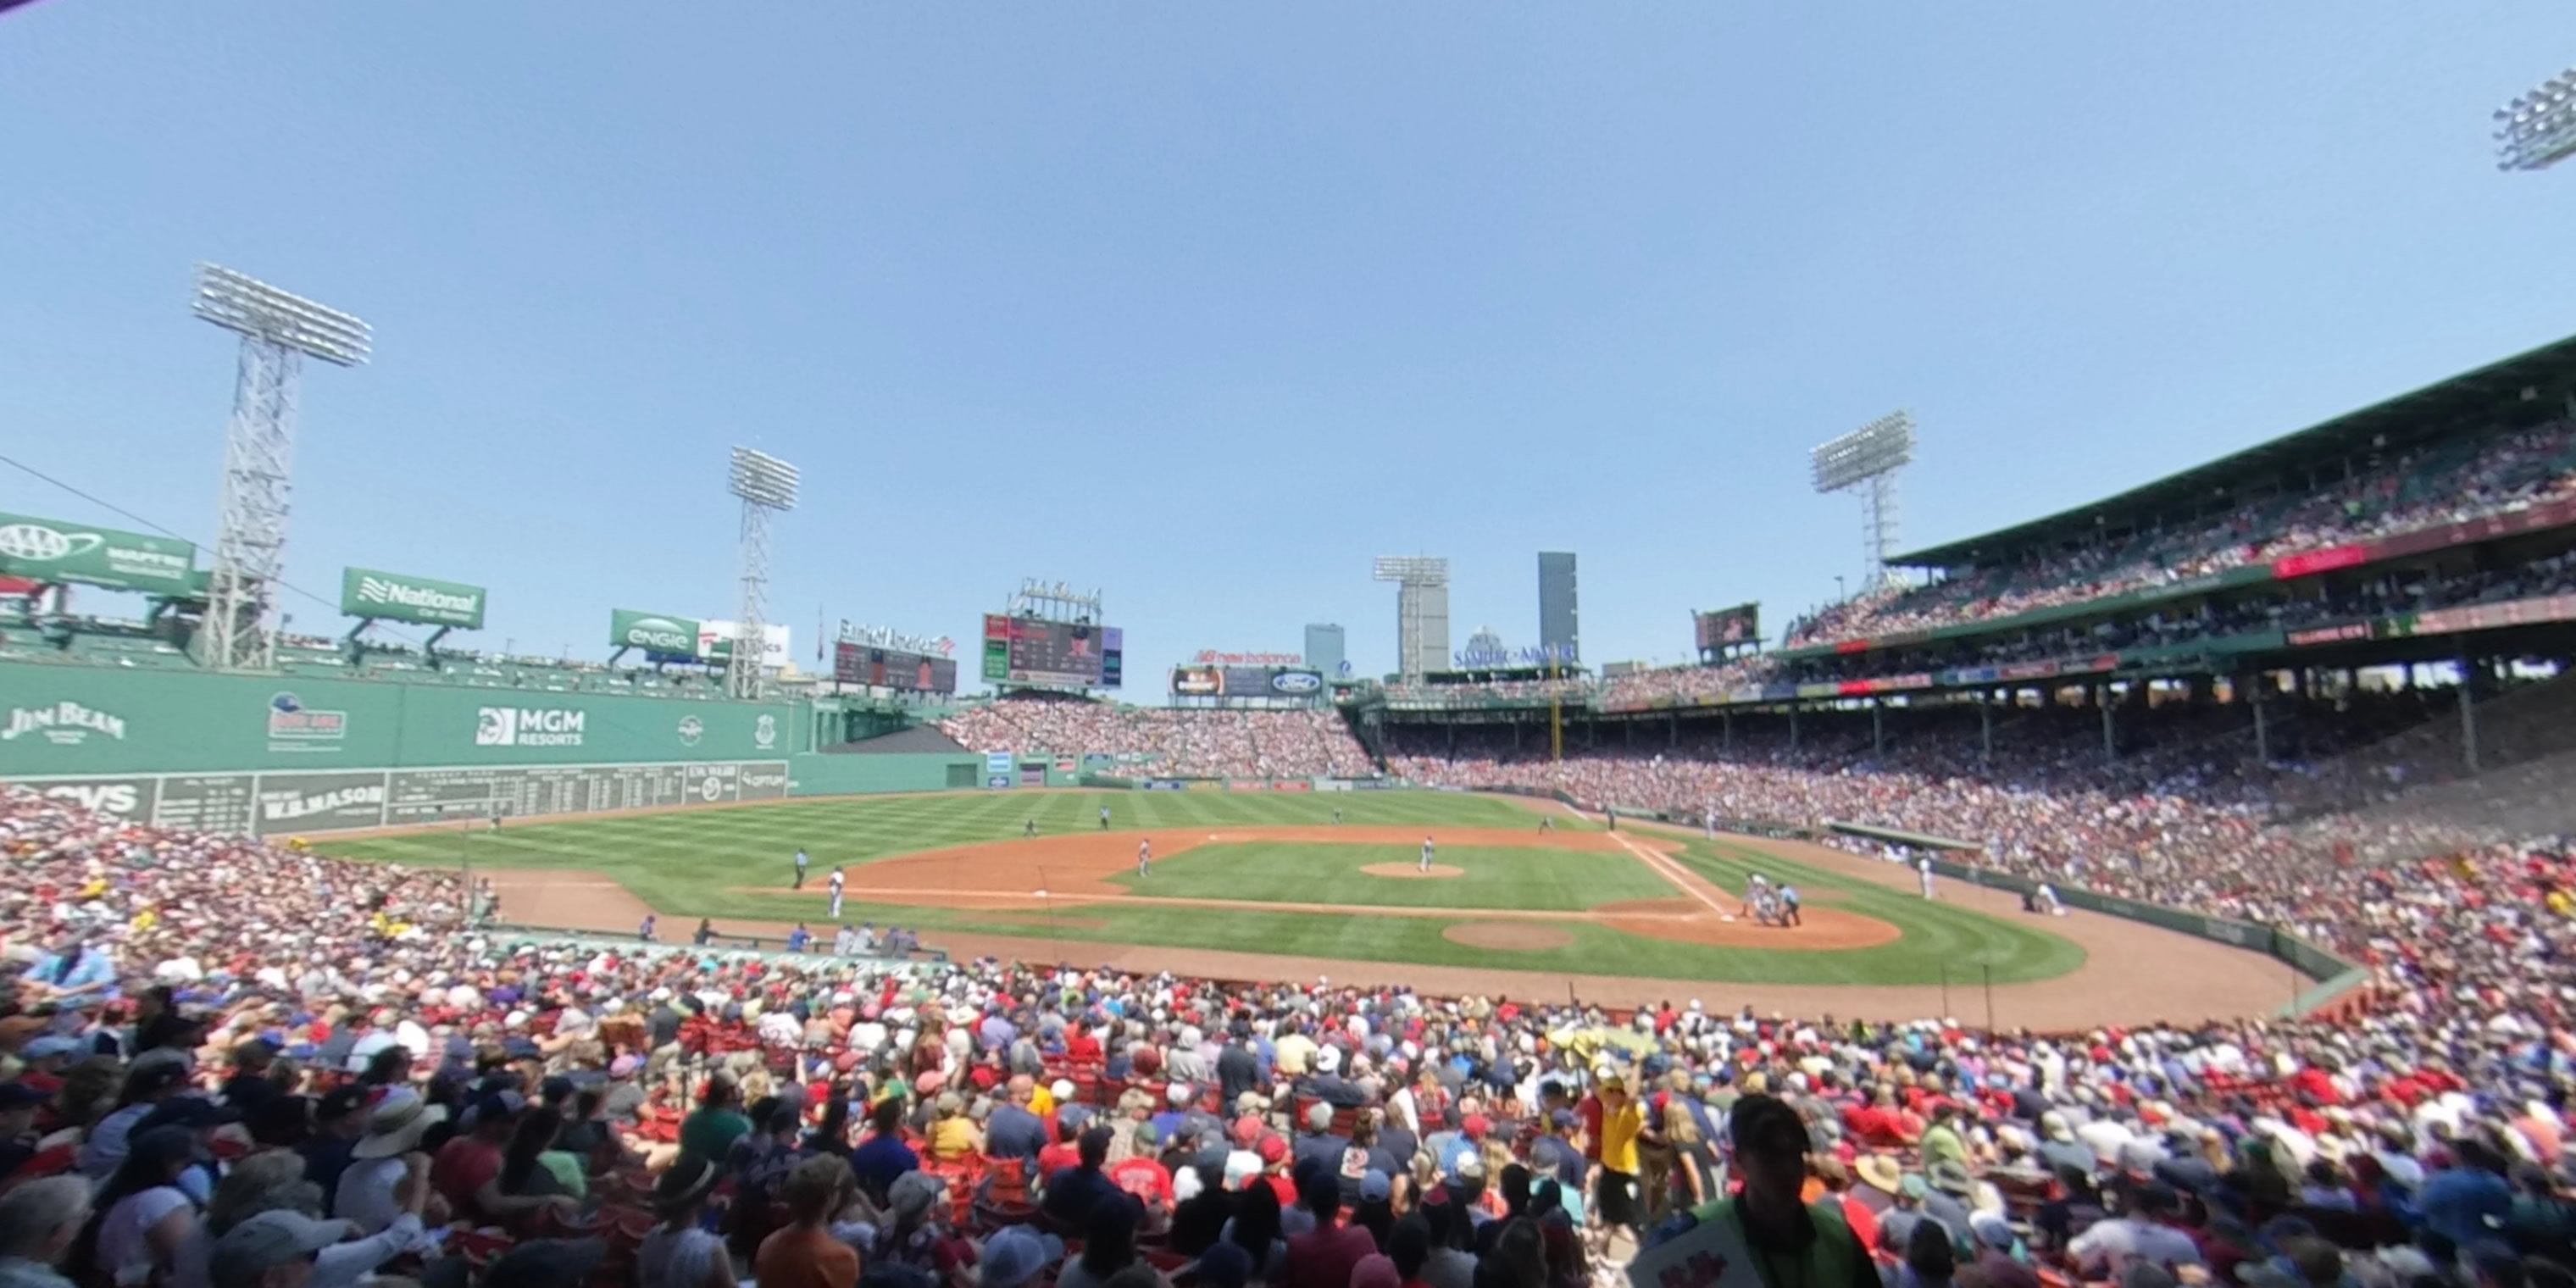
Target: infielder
1426	855
800	869
1708	821
1145	856
1029	829
1546	823
1104	818
836	894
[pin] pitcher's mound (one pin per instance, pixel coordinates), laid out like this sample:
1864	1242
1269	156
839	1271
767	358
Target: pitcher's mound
1411	870
1509	936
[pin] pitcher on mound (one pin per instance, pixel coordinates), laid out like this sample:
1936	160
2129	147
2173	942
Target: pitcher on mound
1426	856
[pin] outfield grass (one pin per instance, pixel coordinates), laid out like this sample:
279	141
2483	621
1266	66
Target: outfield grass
694	863
1492	876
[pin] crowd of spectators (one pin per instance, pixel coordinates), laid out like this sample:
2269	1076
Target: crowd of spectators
229	1063
1175	742
2449	482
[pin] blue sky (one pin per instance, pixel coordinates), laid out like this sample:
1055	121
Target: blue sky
1205	305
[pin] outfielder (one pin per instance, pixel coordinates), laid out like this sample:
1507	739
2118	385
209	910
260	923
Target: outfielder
1145	856
836	894
1030	828
1104	818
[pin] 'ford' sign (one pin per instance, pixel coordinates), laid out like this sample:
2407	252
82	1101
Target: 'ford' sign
1296	682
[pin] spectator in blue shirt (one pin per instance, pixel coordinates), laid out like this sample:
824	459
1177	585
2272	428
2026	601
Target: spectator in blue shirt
2471	1201
73	970
1013	1131
883	1157
1074	1191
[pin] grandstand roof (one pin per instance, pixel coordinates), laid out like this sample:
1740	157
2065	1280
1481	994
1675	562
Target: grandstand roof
2469	401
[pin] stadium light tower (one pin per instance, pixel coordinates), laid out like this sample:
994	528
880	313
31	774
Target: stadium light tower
2538	130
1421	611
278	331
1867	459
766	485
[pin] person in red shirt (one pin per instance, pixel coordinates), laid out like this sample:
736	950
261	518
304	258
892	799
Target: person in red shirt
1066	1151
467	1171
1274	1157
1080	1047
1142	1174
1325	1257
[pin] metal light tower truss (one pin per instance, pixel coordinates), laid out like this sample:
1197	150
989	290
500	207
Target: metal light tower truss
1421	610
1867	459
278	331
765	485
2538	130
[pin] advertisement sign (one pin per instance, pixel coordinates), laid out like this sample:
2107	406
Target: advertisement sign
50	550
1509	659
716	638
1296	683
396	597
1728	627
1198	681
656	632
1211	657
1165	785
294	727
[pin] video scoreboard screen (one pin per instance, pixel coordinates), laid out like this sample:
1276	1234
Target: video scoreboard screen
1033	650
1203	681
1728	627
894	668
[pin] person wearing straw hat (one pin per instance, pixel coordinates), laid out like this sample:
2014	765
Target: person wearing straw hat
680	1252
386	1164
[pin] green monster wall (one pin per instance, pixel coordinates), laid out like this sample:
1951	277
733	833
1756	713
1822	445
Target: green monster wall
288	756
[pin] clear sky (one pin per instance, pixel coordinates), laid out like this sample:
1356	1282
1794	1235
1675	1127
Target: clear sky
1205	305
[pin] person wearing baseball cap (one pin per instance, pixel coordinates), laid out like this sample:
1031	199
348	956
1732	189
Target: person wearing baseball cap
1793	1245
271	1250
1015	1255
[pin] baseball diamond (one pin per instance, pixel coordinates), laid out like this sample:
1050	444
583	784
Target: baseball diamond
1267	883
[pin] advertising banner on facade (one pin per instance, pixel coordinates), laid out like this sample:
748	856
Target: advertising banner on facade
655	632
50	550
396	597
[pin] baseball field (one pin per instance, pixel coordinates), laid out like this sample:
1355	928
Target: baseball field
1263	884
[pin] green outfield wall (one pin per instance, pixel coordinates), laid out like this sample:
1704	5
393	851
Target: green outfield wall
281	757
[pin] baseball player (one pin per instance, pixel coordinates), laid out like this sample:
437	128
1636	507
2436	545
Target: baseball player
836	894
1708	821
1104	818
801	861
1923	871
1029	828
1755	889
1546	823
1145	856
1337	815
1426	855
1789	905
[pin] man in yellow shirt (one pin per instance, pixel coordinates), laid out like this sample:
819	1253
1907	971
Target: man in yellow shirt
1615	1180
1292	1052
